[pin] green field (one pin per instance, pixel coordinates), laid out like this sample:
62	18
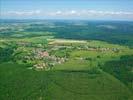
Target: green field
19	83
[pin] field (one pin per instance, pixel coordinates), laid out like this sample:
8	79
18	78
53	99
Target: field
39	64
79	85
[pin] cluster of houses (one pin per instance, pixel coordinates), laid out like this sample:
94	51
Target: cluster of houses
47	60
89	48
40	58
102	49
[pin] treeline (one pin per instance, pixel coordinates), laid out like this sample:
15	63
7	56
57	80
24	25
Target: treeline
121	69
122	32
6	54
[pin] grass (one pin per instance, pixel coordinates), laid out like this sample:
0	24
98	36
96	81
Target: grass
20	83
74	65
77	62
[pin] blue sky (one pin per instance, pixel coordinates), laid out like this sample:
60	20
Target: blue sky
67	9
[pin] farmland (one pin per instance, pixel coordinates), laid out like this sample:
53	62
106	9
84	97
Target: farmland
37	62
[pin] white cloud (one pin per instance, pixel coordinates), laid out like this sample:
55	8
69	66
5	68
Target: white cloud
89	12
99	12
24	13
73	13
59	12
62	13
55	13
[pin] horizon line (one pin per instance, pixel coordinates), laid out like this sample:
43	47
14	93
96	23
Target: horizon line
65	19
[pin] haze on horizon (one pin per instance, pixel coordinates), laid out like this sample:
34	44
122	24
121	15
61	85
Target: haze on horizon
67	9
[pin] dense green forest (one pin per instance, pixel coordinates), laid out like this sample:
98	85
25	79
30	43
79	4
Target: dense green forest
121	69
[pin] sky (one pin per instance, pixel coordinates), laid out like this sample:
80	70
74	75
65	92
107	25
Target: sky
67	9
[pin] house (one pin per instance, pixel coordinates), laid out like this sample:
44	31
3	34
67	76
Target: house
40	66
43	54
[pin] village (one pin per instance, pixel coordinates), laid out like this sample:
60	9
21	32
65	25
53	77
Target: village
46	57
